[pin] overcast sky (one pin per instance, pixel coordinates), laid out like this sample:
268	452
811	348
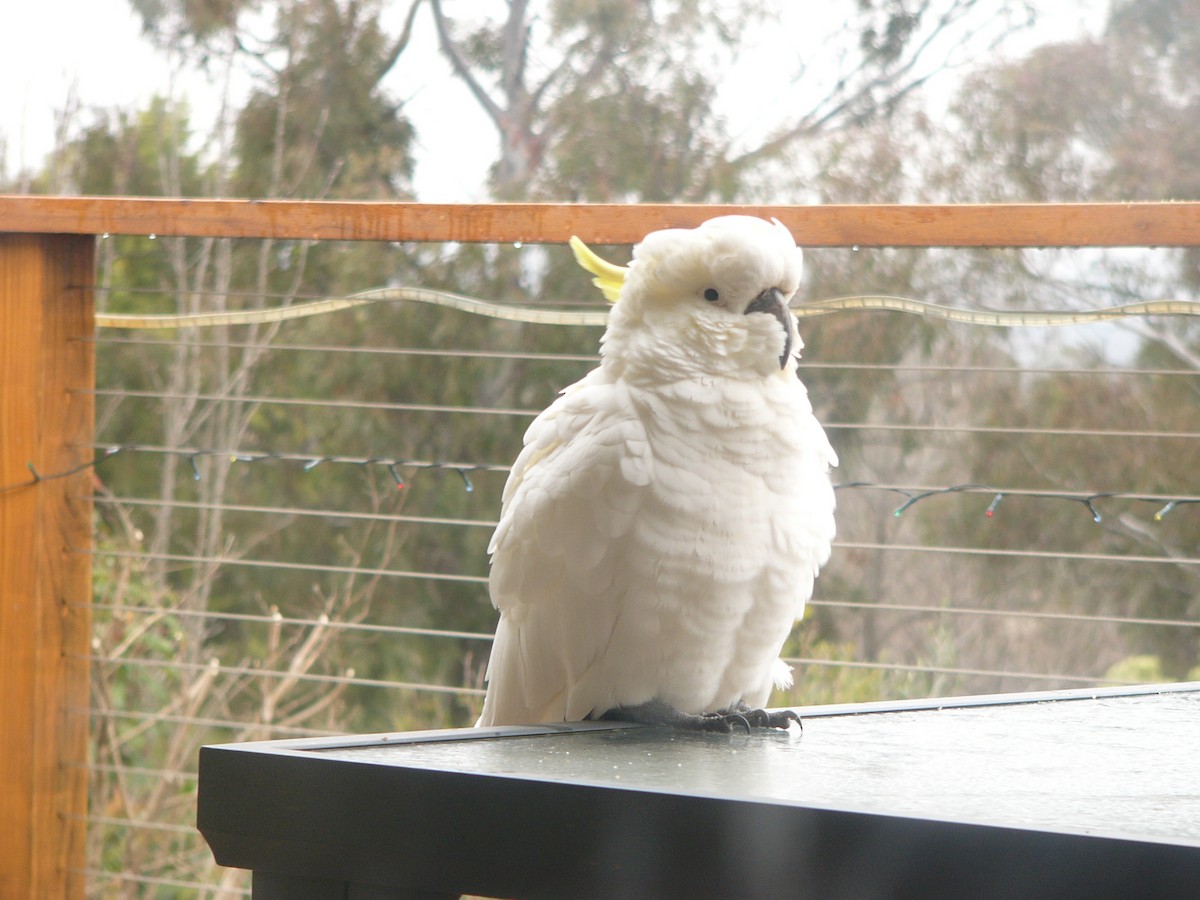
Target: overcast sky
103	59
51	48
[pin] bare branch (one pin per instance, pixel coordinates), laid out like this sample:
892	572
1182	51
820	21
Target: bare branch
855	92
516	45
1168	340
401	43
450	48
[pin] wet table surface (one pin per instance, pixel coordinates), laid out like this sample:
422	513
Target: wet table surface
1114	765
1021	776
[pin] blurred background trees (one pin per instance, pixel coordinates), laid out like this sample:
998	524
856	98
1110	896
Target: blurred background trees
620	101
631	102
944	100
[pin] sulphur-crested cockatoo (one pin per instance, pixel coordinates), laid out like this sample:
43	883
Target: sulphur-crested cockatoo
662	527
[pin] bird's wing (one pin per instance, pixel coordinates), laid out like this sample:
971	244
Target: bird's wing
573	495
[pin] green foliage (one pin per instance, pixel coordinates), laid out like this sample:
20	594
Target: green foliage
1144	669
324	127
833	683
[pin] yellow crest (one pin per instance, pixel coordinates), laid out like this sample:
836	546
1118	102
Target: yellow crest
609	277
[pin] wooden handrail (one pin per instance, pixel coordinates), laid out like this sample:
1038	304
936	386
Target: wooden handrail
961	225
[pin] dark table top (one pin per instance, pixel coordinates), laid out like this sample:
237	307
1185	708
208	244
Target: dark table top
1081	792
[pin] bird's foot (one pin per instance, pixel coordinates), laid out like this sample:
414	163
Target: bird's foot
655	712
761	718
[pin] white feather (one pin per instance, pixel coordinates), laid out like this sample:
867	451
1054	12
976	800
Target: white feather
662	527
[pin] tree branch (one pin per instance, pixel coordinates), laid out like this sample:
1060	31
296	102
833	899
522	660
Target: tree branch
401	43
462	69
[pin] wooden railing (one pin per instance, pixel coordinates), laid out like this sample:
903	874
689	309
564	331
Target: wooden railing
47	249
962	225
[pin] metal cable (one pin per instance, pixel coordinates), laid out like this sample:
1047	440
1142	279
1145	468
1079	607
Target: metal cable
440	409
138	823
1073	618
151	879
351	515
268	619
443	409
451	356
137	662
456	355
1018	554
942	670
230	724
442	634
283	564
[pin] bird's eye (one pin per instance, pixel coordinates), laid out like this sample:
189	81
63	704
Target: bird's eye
711	295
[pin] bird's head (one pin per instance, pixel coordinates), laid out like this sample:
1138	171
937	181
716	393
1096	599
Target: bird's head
712	298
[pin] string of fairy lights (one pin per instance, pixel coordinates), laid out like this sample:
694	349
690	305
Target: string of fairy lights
396	467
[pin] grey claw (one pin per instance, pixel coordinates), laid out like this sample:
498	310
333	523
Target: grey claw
781	719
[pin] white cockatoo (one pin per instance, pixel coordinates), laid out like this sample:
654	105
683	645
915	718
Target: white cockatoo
662	527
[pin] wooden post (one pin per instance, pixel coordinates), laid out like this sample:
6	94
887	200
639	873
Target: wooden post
47	371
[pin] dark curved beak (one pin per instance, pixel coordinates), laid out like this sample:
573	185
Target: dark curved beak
773	302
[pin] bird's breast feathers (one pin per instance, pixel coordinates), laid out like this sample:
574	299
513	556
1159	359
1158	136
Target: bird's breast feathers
656	543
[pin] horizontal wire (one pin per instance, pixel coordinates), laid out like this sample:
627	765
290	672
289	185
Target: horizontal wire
1017	554
991	370
854	664
941	670
996	318
1009	429
911	490
160	882
147	824
292	511
987	489
138	771
380	405
266	619
866	606
231	724
482	579
454	355
1074	618
286	296
310	460
475	692
1089	500
281	564
223	669
444	409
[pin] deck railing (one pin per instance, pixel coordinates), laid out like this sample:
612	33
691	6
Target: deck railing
47	396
